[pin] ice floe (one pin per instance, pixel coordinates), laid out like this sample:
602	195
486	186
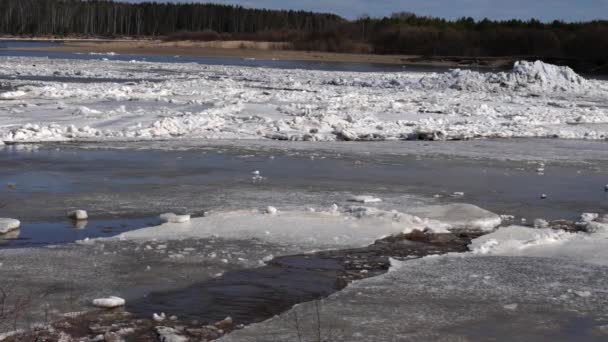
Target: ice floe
355	226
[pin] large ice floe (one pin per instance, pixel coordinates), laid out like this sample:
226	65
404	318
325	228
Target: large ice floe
176	255
354	226
55	100
513	278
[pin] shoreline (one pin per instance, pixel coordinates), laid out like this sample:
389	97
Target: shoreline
257	50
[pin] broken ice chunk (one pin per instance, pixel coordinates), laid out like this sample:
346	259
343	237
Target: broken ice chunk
8	224
159	318
109	303
365	199
79	215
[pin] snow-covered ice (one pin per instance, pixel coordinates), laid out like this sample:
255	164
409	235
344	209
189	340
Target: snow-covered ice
173	100
356	227
452	298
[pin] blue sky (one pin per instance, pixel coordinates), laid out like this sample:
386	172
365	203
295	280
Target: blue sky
546	10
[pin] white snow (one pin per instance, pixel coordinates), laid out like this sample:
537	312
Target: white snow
222	102
8	224
109	303
79	215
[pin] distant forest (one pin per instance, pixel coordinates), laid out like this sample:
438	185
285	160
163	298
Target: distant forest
401	33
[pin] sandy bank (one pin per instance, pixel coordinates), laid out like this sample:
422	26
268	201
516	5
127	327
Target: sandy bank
261	50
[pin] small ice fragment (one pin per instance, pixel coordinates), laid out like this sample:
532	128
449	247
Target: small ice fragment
271	210
540	170
511	307
255	173
458	194
109	303
173	218
543	196
159	318
365	199
79	215
8	224
606	188
173	318
334	208
540	223
583	294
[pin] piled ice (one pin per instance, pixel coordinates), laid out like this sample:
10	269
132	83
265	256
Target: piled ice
220	102
526	76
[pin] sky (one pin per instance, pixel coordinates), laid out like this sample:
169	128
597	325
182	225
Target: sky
545	10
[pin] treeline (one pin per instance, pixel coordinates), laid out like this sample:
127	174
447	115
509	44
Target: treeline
401	33
408	34
110	18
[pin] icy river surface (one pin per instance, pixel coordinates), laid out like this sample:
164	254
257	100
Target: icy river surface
388	205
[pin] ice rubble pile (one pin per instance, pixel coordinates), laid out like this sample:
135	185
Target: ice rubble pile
534	76
590	246
219	102
531	76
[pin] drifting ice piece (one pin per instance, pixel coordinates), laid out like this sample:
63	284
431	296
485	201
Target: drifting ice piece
173	218
365	199
8	224
109	303
79	215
